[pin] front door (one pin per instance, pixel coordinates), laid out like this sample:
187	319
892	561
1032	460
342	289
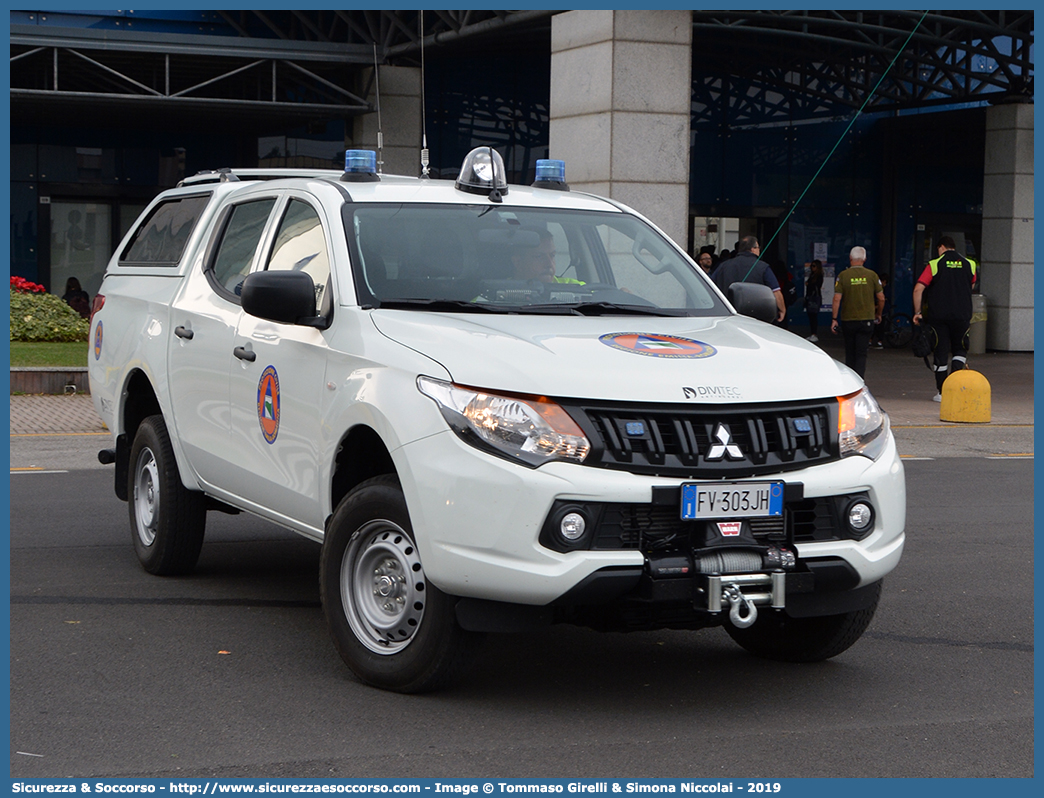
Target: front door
276	383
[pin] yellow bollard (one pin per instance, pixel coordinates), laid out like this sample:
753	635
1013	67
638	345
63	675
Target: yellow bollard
965	397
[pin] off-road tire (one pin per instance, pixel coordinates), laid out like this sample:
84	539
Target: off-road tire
392	627
775	635
167	519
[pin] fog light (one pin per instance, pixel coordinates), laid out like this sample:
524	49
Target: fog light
572	526
860	516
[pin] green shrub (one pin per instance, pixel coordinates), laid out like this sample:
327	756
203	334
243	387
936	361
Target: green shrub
45	317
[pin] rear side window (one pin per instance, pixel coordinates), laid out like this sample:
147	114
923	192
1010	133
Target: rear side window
161	238
239	241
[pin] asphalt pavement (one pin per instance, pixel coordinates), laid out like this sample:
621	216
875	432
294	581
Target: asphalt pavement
230	673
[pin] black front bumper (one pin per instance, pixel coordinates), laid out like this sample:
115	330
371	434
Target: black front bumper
633	599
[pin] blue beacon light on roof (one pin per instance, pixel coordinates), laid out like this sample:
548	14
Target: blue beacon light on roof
360	161
360	166
550	174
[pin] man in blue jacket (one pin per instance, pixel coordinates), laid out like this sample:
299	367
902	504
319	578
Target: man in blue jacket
747	267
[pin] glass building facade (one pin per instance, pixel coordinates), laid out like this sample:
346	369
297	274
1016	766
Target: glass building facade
890	183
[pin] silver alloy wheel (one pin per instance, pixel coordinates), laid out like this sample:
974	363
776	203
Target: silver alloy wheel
382	587
146	496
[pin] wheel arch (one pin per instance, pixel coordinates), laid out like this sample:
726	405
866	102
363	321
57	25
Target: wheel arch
140	399
361	455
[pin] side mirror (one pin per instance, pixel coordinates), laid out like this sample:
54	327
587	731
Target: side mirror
754	299
285	297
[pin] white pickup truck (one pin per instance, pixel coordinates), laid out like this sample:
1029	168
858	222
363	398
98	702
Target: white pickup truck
496	407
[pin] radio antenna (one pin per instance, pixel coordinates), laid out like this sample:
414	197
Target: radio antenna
424	129
380	131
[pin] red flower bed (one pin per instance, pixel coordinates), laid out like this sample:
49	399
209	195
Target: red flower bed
23	286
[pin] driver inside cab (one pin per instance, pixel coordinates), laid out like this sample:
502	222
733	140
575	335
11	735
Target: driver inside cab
538	263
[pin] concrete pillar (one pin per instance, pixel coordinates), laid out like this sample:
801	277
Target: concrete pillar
1007	227
400	120
621	83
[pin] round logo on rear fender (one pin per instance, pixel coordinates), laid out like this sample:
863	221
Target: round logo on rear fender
653	345
268	403
98	340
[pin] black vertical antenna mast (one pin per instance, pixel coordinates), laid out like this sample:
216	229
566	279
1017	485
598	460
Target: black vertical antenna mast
380	132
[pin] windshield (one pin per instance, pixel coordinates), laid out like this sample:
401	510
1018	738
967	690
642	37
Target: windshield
504	259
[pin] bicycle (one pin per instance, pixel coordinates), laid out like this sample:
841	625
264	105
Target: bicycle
898	330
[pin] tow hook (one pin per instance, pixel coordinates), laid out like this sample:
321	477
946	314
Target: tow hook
725	593
743	612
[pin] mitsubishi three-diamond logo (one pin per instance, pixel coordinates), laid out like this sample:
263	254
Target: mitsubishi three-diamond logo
724	447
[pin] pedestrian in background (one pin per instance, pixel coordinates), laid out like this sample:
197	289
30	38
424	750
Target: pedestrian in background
813	297
746	266
942	298
860	298
877	339
786	287
76	298
706	261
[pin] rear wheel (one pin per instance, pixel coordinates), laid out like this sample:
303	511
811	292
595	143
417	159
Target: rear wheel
167	519
390	625
778	636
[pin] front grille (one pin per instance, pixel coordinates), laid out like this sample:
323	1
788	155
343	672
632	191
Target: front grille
622	526
657	527
814	519
709	441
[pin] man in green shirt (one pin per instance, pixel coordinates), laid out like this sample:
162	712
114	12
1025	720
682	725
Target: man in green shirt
859	296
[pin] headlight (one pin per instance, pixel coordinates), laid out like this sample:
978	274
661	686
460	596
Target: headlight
862	426
532	429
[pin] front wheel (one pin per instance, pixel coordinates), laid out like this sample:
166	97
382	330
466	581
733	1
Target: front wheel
778	636
390	625
167	519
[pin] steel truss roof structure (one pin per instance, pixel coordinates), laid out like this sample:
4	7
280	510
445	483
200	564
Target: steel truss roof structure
762	67
749	67
274	67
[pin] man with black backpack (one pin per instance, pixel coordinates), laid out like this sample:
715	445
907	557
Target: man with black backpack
942	298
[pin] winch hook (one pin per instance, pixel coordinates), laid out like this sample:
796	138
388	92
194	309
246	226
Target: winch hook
743	612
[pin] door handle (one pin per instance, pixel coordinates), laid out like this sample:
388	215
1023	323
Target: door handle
183	332
245	354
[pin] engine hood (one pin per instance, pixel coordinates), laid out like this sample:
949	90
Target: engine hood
621	358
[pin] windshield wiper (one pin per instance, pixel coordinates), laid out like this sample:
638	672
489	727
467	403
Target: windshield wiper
551	308
602	309
440	305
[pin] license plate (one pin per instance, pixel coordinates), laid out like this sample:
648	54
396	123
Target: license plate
703	500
